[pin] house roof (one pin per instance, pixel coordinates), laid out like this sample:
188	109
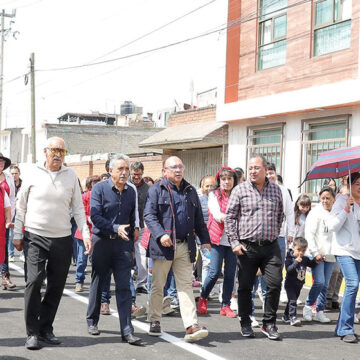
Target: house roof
187	136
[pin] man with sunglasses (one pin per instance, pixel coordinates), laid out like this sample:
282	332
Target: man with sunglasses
173	215
42	208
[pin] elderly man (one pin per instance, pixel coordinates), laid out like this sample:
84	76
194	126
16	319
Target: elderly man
112	208
43	207
173	215
253	221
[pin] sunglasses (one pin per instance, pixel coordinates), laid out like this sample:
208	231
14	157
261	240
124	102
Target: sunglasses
55	151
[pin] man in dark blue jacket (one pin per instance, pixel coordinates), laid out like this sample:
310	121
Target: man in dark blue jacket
173	215
112	208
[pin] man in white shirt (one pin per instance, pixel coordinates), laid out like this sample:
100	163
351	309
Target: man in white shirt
42	208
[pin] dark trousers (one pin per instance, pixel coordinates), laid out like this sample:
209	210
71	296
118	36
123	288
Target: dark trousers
46	258
268	259
114	254
293	293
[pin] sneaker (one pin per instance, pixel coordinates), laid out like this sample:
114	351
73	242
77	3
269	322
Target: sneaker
234	304
105	309
22	258
350	338
270	330
320	316
226	311
307	313
202	306
137	311
298	302
195	332
11	258
254	322
356	319
313	309
294	321
283	297
166	309
79	288
155	328
247	331
286	319
174	304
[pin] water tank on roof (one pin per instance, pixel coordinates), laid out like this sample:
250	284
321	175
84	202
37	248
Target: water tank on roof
127	108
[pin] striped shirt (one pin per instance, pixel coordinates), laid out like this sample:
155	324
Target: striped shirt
252	215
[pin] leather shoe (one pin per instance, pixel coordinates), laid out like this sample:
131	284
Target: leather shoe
49	338
32	343
132	340
93	330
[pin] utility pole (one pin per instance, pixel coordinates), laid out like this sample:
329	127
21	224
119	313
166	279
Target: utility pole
2	39
33	119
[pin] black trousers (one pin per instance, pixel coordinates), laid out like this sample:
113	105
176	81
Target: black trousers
293	293
268	259
116	255
46	258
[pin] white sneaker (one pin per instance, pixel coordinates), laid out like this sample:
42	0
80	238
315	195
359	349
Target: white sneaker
22	258
254	322
298	302
11	258
283	297
167	309
307	313
320	316
356	319
234	304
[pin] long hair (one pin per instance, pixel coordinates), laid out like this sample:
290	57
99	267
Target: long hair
303	200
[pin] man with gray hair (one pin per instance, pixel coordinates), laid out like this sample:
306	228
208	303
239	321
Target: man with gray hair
112	209
43	204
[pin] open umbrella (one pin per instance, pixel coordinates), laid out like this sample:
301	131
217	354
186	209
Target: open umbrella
335	164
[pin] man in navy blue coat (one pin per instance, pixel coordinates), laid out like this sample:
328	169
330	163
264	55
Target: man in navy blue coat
173	215
112	208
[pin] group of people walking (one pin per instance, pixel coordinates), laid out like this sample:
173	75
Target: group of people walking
247	229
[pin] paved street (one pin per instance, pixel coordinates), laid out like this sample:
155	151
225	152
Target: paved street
311	341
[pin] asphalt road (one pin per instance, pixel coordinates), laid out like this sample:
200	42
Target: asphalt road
310	341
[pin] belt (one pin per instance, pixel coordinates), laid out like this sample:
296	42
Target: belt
262	242
179	241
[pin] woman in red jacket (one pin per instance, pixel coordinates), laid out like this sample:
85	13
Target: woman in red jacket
220	246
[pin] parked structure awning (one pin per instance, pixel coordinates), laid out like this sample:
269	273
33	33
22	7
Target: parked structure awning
189	136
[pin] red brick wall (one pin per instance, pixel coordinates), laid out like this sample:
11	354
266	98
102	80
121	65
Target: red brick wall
301	69
191	116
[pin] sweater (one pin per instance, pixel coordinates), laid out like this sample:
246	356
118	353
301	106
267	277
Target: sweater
43	204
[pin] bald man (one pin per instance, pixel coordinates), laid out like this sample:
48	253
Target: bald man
43	205
173	215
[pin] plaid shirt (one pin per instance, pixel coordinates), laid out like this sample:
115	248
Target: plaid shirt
252	215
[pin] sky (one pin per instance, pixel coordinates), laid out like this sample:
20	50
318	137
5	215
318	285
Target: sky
65	33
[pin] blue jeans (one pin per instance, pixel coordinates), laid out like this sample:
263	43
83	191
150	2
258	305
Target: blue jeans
5	264
218	255
263	291
321	274
282	245
81	261
351	271
11	246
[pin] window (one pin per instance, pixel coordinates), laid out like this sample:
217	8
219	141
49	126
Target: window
266	141
320	136
332	25
272	33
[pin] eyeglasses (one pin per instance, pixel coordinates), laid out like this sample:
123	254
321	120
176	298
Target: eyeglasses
55	151
177	167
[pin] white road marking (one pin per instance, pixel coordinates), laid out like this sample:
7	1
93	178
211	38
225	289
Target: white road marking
193	348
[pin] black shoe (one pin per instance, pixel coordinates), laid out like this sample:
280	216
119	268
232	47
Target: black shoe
351	339
270	330
49	338
32	343
247	331
93	330
141	290
132	340
335	305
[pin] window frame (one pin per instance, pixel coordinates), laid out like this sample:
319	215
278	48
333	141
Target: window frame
328	24
262	19
250	137
305	141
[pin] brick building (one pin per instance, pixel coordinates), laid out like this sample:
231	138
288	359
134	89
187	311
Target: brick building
291	82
